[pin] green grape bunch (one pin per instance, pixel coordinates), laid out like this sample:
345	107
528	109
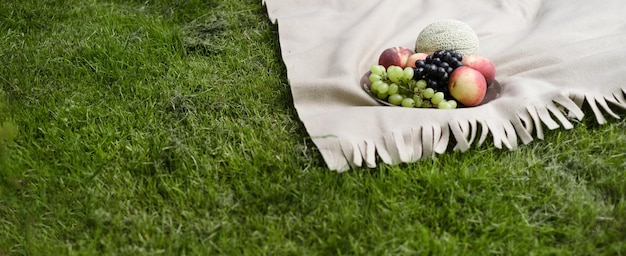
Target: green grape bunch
397	87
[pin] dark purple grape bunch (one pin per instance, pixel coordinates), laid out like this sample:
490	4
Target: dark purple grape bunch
437	68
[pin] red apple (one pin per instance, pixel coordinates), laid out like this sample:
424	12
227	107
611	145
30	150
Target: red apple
410	62
483	65
396	56
468	86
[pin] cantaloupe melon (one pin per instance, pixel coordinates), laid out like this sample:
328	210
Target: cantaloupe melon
447	35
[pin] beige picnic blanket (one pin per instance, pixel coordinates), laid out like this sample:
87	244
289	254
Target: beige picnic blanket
554	59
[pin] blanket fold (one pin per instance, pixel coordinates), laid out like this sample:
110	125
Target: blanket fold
552	57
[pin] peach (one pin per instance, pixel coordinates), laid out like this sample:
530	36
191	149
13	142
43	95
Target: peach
483	65
468	86
396	56
410	62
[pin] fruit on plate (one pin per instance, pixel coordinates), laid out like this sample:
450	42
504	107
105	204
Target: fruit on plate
395	56
442	72
484	65
447	35
410	62
468	86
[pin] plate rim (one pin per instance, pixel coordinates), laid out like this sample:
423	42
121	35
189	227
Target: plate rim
366	84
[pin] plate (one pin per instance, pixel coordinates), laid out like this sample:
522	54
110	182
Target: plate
493	91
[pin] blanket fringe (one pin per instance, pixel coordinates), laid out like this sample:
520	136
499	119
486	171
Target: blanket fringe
426	141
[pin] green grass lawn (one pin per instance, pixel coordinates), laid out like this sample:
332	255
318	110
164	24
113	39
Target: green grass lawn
167	127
